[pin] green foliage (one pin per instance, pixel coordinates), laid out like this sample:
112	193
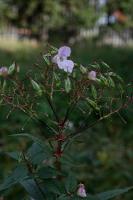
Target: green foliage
18	175
31	187
11	68
67	85
45	173
36	87
71	183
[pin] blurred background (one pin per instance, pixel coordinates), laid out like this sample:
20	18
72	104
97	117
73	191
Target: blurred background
96	30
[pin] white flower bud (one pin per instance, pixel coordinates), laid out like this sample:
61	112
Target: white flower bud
3	71
92	75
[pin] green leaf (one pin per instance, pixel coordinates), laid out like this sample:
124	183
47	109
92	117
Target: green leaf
121	88
15	155
11	69
47	172
71	183
18	174
104	80
111	82
57	79
56	76
33	189
36	87
64	197
75	197
93	104
83	69
106	65
45	57
1	101
4	84
67	85
53	186
37	154
94	91
111	194
96	66
35	139
115	75
8	182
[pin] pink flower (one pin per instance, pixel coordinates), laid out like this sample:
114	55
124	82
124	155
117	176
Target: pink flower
61	59
81	192
3	71
92	75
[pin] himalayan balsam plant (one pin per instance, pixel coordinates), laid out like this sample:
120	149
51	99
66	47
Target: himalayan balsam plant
66	99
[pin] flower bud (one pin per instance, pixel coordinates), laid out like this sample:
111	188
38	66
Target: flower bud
12	68
81	192
3	71
92	75
36	87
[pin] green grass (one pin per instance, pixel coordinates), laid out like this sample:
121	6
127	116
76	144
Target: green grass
25	53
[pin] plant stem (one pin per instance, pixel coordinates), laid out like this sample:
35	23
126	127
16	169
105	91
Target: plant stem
53	109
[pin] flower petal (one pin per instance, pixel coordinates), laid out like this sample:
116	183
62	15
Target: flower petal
92	75
3	71
64	51
60	64
67	65
81	191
